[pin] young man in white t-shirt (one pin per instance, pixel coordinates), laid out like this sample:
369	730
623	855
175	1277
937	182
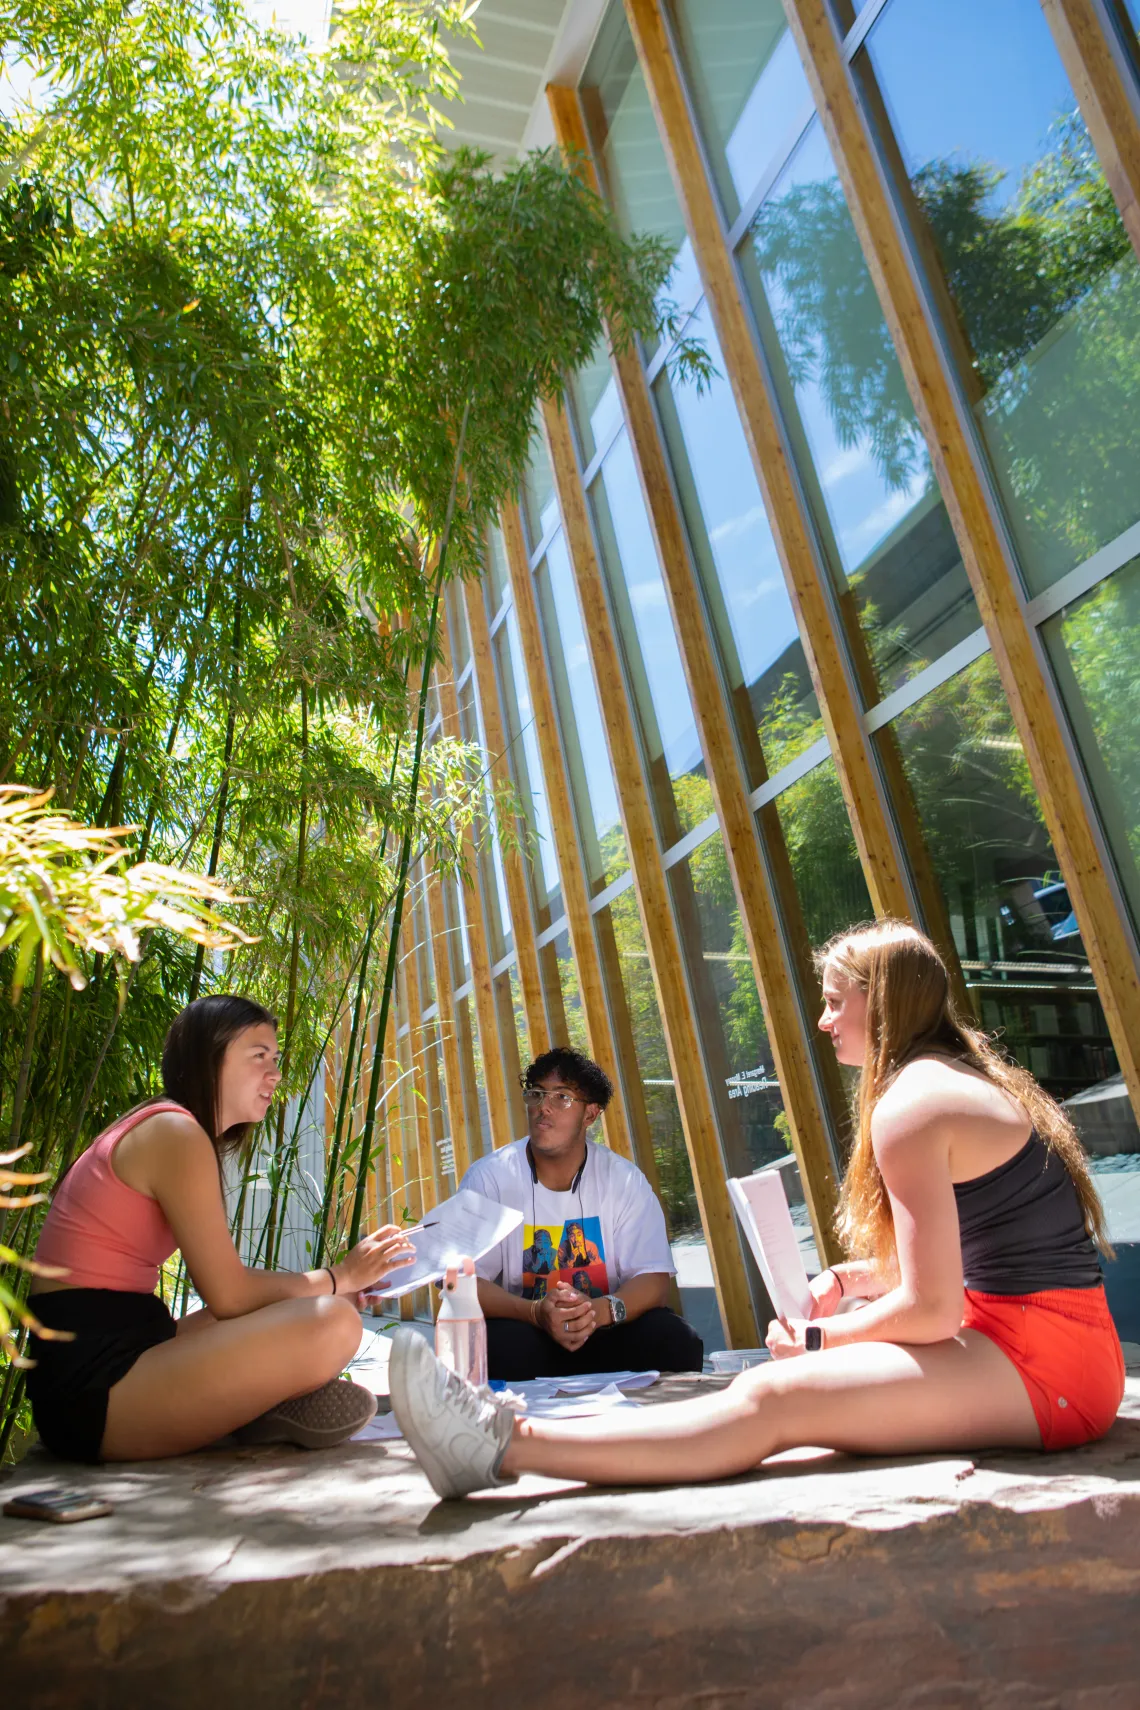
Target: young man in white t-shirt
582	1286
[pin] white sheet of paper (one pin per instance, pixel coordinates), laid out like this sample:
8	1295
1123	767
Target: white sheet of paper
545	1389
467	1224
578	1406
762	1207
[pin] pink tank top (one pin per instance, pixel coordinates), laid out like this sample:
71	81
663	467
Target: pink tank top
104	1233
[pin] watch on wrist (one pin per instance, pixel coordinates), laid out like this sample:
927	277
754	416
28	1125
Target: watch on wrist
813	1338
617	1309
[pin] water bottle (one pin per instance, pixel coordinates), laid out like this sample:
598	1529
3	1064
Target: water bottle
461	1329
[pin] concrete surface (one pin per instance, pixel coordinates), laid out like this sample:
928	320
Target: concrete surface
271	1577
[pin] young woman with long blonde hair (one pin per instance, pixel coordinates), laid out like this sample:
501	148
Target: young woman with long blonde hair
973	1227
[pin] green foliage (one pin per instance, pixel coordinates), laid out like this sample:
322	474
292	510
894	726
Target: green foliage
271	360
63	891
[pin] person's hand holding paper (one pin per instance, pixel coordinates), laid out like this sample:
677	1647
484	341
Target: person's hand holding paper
465	1225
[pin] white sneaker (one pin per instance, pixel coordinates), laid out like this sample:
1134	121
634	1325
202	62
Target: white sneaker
459	1433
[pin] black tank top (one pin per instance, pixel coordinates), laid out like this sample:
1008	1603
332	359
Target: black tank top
1022	1227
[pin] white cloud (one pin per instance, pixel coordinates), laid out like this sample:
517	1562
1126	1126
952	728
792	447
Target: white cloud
734	527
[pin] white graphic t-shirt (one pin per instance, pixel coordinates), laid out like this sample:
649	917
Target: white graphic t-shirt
593	1238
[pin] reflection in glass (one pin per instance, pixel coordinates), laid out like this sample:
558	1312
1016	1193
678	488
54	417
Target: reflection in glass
455	925
526	772
457	632
570	994
734	549
580	719
748	85
667	1135
1009	907
632	158
512	1040
418	933
1095	647
645	622
594	402
489	857
1036	258
539	502
477	1112
754	1130
821	848
860	448
440	1161
498	572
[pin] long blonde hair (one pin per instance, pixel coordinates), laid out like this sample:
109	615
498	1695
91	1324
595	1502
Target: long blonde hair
910	1010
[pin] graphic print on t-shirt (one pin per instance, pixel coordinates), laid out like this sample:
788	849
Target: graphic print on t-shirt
573	1253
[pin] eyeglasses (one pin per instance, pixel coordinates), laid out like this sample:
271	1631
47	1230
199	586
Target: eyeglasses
534	1097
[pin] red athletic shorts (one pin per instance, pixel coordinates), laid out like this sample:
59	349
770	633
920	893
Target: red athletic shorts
1065	1347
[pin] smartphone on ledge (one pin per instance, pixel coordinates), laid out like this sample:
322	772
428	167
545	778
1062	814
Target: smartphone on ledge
61	1506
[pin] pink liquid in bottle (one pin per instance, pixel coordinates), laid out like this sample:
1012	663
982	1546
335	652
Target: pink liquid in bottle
461	1329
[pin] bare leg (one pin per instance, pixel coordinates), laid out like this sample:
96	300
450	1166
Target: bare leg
194	1321
873	1399
187	1392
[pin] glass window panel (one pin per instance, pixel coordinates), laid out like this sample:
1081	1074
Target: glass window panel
595	404
457	631
733	545
455	919
580	720
478	1113
507	994
1037	260
571	993
489	855
422	940
1009	907
748	85
859	446
518	1011
1095	647
498	572
440	1160
526	771
672	747
754	1129
658	1089
817	834
633	163
540	504
402	1135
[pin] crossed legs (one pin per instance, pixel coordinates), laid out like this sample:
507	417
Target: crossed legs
876	1398
218	1374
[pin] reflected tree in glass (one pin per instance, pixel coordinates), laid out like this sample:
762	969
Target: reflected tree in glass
1095	647
1036	259
1010	909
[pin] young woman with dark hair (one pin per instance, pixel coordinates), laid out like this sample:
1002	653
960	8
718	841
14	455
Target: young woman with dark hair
263	1358
973	1226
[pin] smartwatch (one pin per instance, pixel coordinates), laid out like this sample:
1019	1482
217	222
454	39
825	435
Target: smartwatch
813	1338
617	1308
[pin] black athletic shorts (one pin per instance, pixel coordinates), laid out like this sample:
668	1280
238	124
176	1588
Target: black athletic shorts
70	1381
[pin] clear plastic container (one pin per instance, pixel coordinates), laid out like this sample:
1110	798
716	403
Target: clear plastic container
737	1359
461	1329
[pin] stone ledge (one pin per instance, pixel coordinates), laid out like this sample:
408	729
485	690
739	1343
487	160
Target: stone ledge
821	1582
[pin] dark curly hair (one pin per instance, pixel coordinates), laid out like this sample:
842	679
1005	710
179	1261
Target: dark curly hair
576	1069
